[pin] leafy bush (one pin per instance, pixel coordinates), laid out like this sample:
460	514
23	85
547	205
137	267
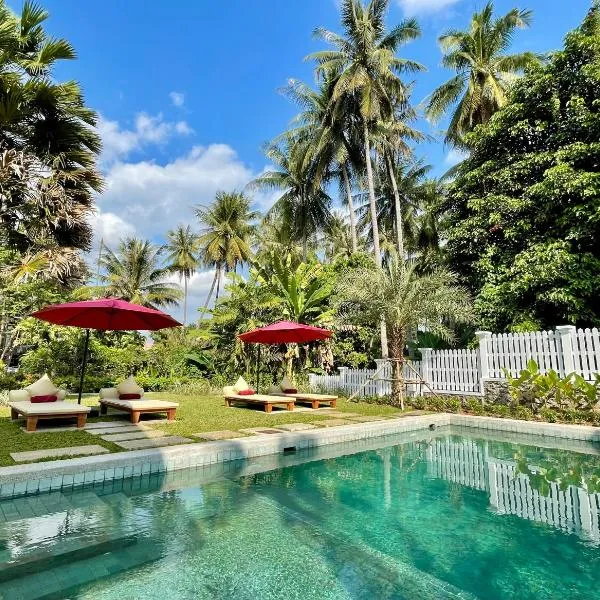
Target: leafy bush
536	390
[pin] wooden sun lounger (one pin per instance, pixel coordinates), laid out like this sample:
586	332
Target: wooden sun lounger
266	401
135	408
314	399
33	411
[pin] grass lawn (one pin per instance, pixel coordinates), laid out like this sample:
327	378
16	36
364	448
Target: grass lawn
194	415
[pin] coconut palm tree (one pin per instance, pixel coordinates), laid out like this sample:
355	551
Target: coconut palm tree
182	257
406	300
136	272
224	241
303	203
365	66
484	70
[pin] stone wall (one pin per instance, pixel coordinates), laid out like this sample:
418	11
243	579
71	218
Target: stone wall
495	391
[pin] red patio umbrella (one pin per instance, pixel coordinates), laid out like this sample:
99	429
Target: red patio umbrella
106	314
283	332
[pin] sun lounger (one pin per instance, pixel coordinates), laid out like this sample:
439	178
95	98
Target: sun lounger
109	398
32	412
314	399
267	402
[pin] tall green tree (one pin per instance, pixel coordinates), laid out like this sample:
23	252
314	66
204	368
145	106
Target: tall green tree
48	144
225	238
182	257
484	70
137	272
364	65
406	300
522	221
303	204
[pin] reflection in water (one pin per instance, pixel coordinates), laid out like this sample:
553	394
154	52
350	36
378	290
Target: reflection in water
534	492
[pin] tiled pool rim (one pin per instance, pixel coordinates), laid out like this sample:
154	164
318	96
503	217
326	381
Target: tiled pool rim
40	477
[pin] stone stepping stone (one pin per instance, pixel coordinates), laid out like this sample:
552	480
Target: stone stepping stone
337	413
106	424
55	452
218	435
133	435
335	422
167	440
261	430
49	429
127	429
368	418
296	426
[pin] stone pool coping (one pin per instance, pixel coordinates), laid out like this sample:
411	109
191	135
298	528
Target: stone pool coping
33	478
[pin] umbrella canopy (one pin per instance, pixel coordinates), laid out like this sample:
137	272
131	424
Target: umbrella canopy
285	332
107	314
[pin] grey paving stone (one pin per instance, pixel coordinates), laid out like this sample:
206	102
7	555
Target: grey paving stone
168	440
261	430
335	422
296	426
45	428
336	413
54	452
106	424
218	435
133	435
129	429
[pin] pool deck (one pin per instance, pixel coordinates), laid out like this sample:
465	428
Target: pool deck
40	477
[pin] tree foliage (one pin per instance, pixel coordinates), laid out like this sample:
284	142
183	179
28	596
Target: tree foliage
523	221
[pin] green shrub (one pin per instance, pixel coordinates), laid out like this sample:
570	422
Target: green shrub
474	405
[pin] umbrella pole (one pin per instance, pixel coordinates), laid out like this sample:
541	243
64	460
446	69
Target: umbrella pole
83	363
257	368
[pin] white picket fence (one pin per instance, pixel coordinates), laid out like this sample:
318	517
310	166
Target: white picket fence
565	350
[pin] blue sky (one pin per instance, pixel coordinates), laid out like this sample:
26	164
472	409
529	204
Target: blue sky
188	90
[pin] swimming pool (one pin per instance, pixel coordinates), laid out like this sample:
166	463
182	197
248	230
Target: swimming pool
454	513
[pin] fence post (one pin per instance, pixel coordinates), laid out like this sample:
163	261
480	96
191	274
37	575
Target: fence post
380	385
425	367
343	371
484	338
567	333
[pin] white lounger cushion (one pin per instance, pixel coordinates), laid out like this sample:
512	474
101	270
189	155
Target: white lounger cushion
46	408
140	404
42	387
130	386
25	396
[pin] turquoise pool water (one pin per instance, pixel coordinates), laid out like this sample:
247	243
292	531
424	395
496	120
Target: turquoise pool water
438	515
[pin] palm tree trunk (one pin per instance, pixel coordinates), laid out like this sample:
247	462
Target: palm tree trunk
219	275
350	208
397	208
185	298
375	227
397	356
372	202
210	293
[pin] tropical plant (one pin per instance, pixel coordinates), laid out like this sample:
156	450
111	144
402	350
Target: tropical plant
303	205
406	300
48	145
484	71
521	218
364	66
224	241
136	272
182	257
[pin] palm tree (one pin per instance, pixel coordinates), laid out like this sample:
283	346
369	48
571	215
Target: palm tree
365	66
338	239
51	132
136	272
224	242
182	257
303	203
484	71
406	300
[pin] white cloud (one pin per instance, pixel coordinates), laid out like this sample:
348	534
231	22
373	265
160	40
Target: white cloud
414	7
455	156
198	287
155	198
118	142
109	228
177	98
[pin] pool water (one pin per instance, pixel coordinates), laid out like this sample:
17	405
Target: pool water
446	514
